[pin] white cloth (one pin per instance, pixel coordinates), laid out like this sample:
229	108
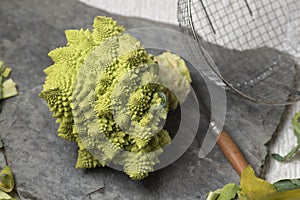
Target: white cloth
157	10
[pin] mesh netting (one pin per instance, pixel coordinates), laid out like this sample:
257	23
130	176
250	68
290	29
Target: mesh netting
254	44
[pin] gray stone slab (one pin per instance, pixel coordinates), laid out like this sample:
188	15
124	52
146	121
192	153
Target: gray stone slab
44	164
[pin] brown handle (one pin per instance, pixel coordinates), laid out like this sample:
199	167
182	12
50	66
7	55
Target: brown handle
232	152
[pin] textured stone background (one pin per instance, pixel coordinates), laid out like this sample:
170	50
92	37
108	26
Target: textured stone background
43	164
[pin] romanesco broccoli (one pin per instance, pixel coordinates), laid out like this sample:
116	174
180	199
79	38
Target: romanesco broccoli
103	90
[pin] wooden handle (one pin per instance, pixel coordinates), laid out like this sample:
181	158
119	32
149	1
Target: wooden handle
232	152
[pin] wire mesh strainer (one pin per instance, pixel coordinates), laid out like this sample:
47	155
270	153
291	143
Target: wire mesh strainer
259	38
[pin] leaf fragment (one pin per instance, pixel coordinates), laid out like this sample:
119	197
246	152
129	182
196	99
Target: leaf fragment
1	66
253	188
288	156
9	89
296	125
6	72
5	196
228	192
287	184
213	195
6	180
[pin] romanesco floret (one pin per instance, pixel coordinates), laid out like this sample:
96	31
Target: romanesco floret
103	90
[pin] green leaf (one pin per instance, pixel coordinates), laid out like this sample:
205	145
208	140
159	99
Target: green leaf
287	156
6	180
278	157
296	125
287	184
228	192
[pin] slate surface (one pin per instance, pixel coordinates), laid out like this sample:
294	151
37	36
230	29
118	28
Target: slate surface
43	164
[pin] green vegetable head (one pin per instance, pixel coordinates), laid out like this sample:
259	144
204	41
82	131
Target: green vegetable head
103	90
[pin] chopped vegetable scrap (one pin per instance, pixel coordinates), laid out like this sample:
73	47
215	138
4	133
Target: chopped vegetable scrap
8	86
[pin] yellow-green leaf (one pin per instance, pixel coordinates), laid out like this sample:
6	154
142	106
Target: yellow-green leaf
9	89
5	196
6	72
253	188
6	180
296	125
1	66
228	192
213	195
286	195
